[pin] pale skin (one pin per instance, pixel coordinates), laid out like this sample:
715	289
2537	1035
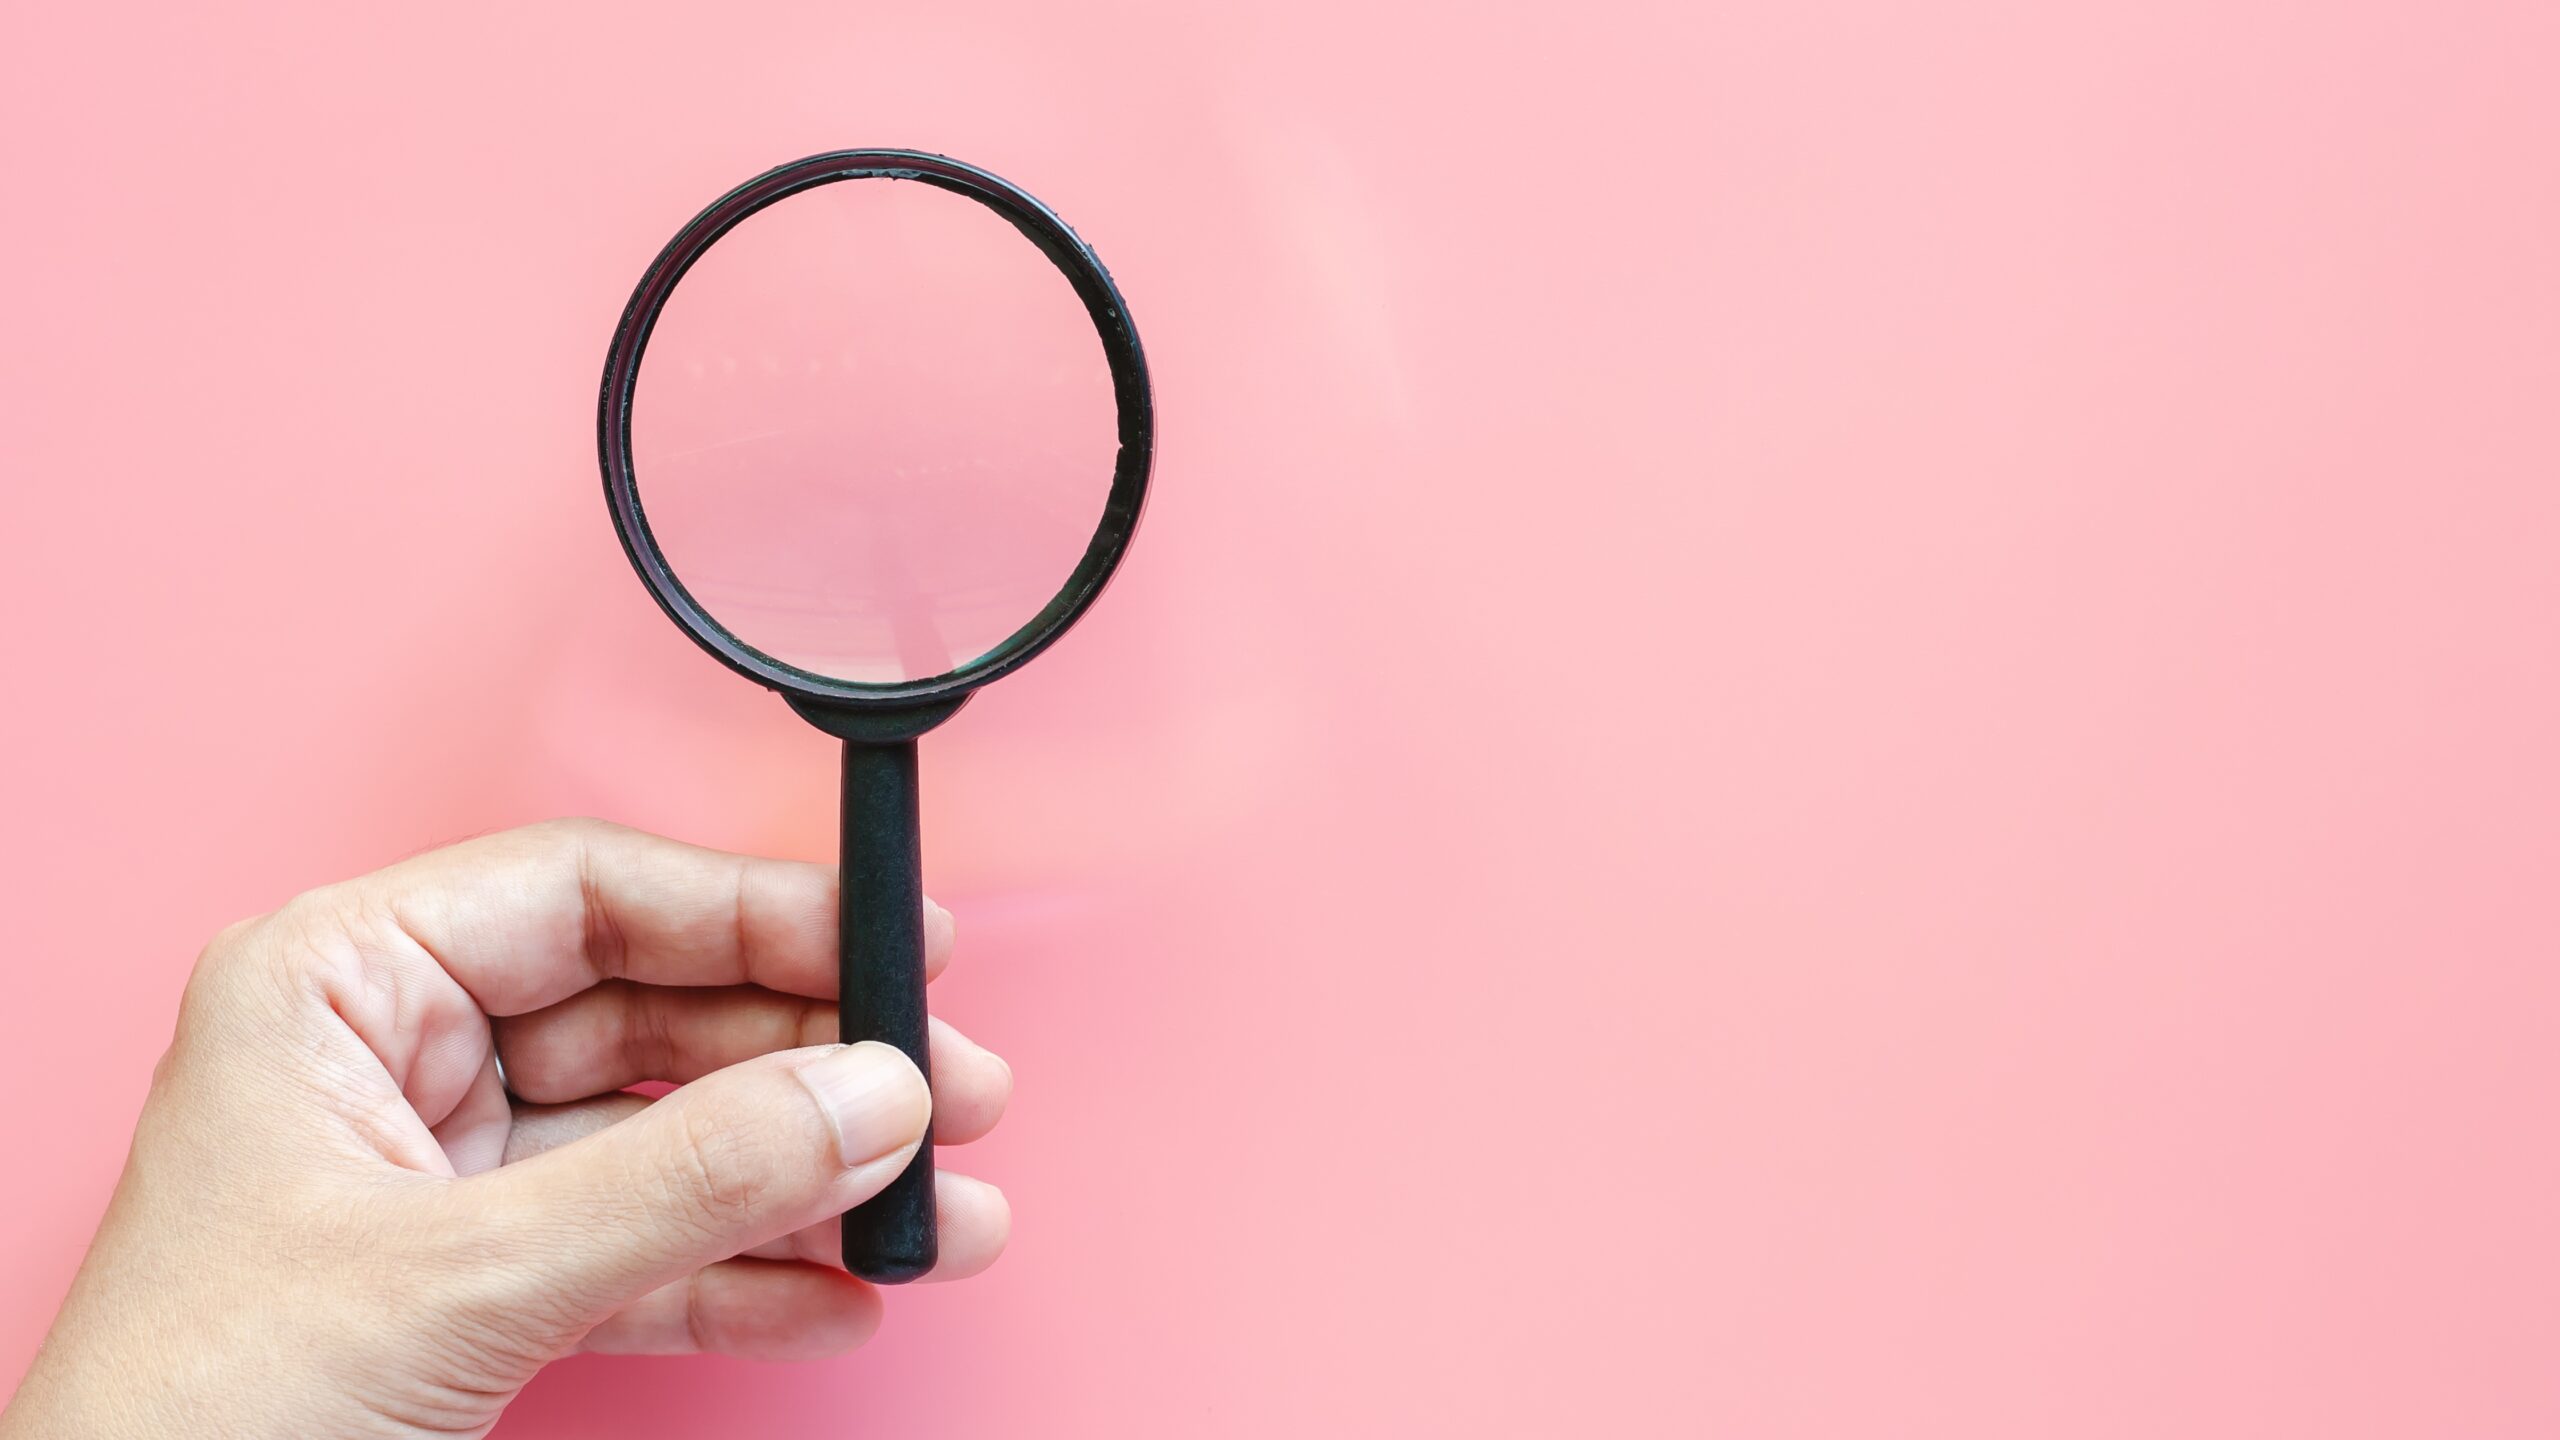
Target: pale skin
336	1221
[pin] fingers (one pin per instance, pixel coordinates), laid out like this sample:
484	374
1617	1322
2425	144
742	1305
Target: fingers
757	1309
619	1034
738	1158
474	1137
971	1086
974	1219
528	917
973	1223
407	963
539	1128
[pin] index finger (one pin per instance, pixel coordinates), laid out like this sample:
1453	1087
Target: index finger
526	918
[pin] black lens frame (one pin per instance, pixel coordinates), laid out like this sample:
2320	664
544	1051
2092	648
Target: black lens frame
1093	285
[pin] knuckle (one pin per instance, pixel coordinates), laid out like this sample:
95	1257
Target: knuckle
284	943
231	938
224	957
723	1168
314	938
571	832
311	946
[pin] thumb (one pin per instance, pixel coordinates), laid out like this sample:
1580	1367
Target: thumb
735	1159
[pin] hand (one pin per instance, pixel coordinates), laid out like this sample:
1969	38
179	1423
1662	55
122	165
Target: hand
337	1221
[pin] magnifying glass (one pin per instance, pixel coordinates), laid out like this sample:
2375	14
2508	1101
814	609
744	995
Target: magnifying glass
875	431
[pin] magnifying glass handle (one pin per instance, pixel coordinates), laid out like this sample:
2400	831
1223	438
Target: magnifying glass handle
880	969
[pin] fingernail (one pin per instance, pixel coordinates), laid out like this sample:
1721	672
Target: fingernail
875	1096
938	919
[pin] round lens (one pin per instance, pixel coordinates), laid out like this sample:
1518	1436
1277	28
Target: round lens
873	431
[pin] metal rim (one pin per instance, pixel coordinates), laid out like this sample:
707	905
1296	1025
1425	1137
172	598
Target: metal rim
1038	224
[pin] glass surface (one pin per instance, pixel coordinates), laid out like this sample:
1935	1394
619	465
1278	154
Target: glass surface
873	430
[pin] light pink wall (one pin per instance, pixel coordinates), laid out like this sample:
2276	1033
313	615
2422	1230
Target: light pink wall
1837	720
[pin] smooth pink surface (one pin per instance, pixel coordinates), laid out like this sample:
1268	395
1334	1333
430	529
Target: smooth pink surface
873	430
1837	720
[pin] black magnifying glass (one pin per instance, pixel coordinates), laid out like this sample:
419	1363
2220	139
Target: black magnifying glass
875	430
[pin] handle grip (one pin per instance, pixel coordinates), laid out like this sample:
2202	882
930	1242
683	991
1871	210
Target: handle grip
889	1238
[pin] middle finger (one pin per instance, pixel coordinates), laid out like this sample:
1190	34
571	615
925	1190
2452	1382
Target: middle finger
619	1034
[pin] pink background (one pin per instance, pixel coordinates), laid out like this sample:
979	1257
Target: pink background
1837	720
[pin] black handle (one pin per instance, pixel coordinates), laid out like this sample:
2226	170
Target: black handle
889	1238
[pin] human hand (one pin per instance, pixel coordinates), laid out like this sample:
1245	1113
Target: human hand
337	1221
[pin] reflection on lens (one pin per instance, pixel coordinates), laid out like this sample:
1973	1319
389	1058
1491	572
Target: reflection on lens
873	431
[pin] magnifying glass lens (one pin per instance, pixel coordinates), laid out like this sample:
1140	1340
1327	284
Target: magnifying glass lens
873	431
